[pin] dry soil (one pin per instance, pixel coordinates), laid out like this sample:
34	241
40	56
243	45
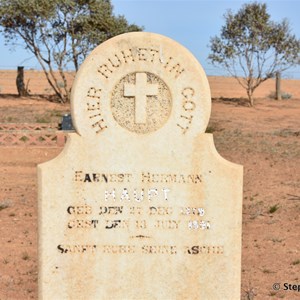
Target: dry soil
264	139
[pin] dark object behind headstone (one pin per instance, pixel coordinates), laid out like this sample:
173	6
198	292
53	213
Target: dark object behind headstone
67	122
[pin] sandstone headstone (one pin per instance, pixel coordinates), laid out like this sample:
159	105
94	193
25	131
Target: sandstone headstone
139	205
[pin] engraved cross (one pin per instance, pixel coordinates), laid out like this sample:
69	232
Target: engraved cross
140	90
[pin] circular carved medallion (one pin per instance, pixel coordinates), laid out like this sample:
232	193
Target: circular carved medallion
141	102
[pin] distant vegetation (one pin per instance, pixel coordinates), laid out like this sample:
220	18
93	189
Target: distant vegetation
250	42
60	33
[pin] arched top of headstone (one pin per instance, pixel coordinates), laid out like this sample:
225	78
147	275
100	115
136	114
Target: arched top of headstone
140	84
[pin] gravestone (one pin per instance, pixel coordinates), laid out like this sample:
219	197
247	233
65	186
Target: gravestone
139	205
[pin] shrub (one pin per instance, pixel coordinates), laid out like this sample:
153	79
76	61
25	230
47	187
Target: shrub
284	95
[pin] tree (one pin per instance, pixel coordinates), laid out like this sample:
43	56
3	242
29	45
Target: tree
252	48
60	33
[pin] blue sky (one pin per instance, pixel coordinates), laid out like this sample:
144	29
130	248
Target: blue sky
190	22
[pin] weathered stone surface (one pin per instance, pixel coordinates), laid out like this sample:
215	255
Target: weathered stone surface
139	205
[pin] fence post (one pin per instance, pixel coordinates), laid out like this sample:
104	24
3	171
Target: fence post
278	86
20	82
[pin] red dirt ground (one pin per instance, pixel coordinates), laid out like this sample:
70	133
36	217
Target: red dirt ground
264	139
